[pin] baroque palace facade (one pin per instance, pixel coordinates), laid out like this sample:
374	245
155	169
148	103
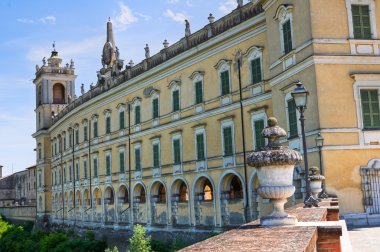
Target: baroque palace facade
164	142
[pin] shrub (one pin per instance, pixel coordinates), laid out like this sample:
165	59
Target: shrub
140	242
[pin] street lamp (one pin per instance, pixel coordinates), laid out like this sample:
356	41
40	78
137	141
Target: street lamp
319	142
299	95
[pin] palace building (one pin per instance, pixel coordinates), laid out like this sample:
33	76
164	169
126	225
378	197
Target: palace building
164	142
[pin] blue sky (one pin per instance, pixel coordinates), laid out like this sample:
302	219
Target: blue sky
28	29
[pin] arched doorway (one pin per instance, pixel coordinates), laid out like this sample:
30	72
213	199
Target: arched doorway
58	93
158	204
232	200
204	202
123	204
78	206
71	206
180	203
139	204
109	205
256	199
97	205
86	205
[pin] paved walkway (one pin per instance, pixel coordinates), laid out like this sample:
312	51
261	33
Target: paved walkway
365	239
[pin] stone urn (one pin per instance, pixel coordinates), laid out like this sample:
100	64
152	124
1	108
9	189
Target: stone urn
275	166
315	181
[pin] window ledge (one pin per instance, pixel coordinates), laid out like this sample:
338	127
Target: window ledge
370	129
293	137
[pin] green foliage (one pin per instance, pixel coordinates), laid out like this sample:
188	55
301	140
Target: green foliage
112	250
140	242
168	246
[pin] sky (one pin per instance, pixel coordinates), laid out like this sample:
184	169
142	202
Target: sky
29	28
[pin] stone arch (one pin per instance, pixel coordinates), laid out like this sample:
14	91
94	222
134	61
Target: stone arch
139	203
254	198
123	200
158	202
109	204
231	195
58	93
180	202
204	201
97	204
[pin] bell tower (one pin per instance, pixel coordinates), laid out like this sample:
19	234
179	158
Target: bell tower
55	89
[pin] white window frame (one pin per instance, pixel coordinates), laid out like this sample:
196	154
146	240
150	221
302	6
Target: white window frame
96	159
85	161
288	96
283	14
154	142
85	128
198	131
176	137
77	164
372	14
107	114
136	103
121	108
198	77
135	147
108	154
122	150
255	53
222	67
225	124
257	116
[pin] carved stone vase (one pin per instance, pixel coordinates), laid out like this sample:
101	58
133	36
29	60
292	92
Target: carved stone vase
315	181
275	165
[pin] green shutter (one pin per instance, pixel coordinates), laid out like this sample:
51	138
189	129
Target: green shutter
108	165
95	129
259	139
198	92
287	36
137	115
177	151
370	108
85	169
175	95
121	120
200	147
64	175
292	117
361	21
224	76
256	70
137	160
108	125
227	137
155	108
156	155
95	167
70	174
85	133
77	172
121	161
76	136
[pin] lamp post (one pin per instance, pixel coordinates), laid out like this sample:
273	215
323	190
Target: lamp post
319	143
299	95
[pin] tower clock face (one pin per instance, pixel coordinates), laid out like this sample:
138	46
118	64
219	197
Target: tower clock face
107	53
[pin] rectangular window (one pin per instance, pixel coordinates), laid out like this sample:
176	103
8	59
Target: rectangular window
259	139
108	165
361	21
198	92
137	114
155	108
156	155
85	133
70	139
85	168
225	79
256	70
108	125
64	142
227	138
122	161
137	159
287	36
95	167
121	120
95	129
64	175
77	172
292	114
175	95
200	146
70	173
77	136
177	151
370	108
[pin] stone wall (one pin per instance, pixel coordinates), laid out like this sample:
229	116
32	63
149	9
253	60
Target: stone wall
19	212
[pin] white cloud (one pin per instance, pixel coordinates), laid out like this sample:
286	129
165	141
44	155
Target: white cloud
143	16
176	16
227	6
125	17
44	20
173	1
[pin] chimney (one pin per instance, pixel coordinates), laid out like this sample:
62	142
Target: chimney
1	171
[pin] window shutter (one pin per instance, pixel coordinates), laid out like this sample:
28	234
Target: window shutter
227	135
361	21
85	133
224	76
175	100
198	92
292	114
177	151
85	169
108	125
155	108
256	70
121	161
137	160
121	119
96	129
137	115
76	136
259	139
95	167
287	36
108	165
156	158
200	147
370	108
77	172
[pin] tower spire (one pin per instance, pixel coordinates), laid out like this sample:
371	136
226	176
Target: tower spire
110	33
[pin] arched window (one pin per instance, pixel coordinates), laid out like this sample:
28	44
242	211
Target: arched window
207	190
58	94
161	194
236	189
183	193
142	195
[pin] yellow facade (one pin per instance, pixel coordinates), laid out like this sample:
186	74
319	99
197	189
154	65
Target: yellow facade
217	190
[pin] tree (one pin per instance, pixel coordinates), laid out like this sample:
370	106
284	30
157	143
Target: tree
140	242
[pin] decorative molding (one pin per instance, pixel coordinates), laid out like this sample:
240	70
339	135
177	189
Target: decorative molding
175	131
282	10
149	91
196	73
198	125
225	118
175	82
222	62
155	137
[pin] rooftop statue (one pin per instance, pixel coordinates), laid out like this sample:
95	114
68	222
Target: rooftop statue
187	29
147	51
240	3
